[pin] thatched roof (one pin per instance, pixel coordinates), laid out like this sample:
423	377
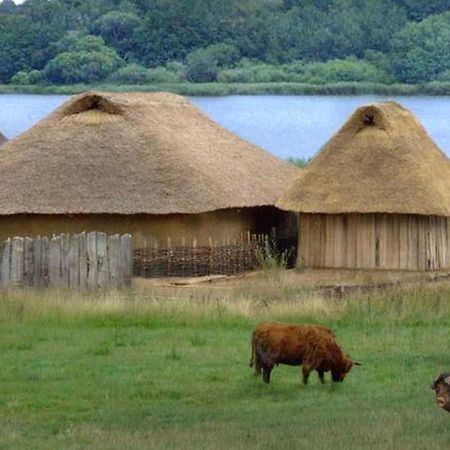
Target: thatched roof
381	161
134	153
2	139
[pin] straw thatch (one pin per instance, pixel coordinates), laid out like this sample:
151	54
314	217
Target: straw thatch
134	153
2	139
381	161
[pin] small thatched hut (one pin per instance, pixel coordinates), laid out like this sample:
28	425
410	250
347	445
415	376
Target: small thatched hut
2	139
376	196
148	164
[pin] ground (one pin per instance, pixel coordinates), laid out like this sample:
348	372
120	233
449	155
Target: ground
167	367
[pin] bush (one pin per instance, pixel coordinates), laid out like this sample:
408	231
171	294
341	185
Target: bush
203	64
82	66
27	78
334	71
136	74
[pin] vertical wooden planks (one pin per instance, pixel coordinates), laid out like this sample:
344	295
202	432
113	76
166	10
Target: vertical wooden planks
102	260
74	262
92	263
83	261
5	265
54	261
126	259
403	242
17	262
29	261
351	240
114	260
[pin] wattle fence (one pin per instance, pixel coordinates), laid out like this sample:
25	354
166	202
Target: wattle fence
224	258
80	261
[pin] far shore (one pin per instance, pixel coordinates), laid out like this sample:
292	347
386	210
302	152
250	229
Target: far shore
220	89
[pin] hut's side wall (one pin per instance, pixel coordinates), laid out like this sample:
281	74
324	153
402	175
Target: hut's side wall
149	230
374	241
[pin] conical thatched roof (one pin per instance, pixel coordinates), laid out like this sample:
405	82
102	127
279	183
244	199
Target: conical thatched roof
2	139
134	153
381	161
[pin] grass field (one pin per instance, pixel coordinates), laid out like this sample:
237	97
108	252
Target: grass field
131	370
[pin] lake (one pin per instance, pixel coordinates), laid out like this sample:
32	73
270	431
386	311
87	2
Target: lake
287	126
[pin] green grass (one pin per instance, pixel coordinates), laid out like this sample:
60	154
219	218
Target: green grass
218	89
130	371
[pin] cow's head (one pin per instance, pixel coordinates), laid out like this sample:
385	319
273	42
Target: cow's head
441	386
343	368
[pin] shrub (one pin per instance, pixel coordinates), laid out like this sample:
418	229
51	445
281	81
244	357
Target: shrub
82	66
203	64
27	78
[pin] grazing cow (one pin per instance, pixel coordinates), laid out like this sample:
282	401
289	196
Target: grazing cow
441	386
312	346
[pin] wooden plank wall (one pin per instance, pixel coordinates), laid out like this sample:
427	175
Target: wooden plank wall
374	241
92	260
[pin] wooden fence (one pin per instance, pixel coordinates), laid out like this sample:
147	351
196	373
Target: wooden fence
189	259
81	261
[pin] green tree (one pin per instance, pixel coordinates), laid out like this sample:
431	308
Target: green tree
203	65
82	65
117	29
421	51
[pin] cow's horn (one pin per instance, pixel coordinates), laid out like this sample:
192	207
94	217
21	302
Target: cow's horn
357	363
447	380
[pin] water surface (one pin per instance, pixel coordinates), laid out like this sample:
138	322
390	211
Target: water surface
287	126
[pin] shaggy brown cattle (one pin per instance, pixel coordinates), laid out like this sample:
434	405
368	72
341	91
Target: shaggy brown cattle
441	386
312	346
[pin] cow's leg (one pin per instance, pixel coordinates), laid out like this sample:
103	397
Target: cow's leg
321	378
306	369
266	374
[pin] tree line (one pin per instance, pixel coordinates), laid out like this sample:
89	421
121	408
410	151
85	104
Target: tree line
151	41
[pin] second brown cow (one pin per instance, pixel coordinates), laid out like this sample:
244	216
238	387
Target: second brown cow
311	346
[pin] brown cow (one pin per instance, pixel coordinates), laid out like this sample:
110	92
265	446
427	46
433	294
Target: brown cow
441	386
312	346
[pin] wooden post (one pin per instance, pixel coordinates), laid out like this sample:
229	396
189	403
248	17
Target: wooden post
92	275
114	260
17	262
102	260
83	261
74	262
5	265
54	261
29	262
126	259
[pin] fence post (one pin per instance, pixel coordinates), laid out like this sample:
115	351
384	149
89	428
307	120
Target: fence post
29	262
102	258
74	262
114	260
54	261
126	259
17	262
5	265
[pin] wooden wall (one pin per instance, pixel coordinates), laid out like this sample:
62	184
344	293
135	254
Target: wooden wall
374	241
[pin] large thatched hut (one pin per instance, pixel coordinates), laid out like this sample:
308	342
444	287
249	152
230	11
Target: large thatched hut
151	165
376	196
2	139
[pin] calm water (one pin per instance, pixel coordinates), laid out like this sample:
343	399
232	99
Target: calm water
287	126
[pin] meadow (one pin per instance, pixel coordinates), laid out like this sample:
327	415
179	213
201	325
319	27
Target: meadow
142	369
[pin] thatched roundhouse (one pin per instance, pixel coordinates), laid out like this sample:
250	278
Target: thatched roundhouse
2	139
376	196
148	164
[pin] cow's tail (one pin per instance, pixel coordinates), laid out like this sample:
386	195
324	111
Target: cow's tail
254	358
253	355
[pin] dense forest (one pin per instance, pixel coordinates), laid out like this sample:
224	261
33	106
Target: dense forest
245	41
